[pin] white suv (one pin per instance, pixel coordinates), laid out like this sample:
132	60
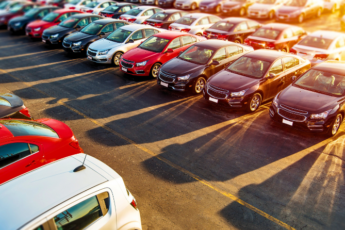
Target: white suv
57	196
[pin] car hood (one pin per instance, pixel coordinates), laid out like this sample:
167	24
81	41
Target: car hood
21	19
77	36
232	4
260	6
57	29
40	23
307	100
103	44
288	9
132	55
231	81
59	127
180	67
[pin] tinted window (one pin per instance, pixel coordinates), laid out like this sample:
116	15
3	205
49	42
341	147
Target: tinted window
125	9
290	62
224	26
32	12
186	21
34	148
234	50
154	44
277	67
149	12
253	24
83	22
94	18
119	35
213	19
28	128
91	4
108	28
69	22
203	21
137	35
119	24
27	8
250	67
111	8
242	27
134	12
186	40
175	17
149	32
288	34
50	17
267	33
79	216
317	42
159	16
12	152
196	54
175	44
106	4
63	17
92	28
220	55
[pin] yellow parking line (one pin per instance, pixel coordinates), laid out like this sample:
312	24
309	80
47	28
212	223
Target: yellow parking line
197	178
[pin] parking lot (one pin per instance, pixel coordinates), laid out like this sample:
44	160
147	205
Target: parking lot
189	165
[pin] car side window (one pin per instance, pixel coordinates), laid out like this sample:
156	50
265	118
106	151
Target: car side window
340	43
220	55
241	27
234	50
125	9
137	35
213	19
149	12
27	8
108	28
63	17
299	32
288	34
83	22
186	40
203	21
119	24
12	152
277	67
158	10
253	24
290	62
149	32
176	43
106	4
174	17
95	19
43	13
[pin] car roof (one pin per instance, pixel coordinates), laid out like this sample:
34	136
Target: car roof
265	55
34	193
235	19
279	26
47	7
171	34
145	7
213	44
124	3
61	11
170	11
107	20
336	67
133	27
198	15
82	15
326	34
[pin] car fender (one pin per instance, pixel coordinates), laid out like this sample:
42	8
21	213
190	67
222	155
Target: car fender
196	30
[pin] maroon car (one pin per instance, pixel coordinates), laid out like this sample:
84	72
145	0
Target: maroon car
254	78
276	36
315	101
15	11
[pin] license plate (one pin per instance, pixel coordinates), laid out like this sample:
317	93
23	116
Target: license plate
89	57
27	34
287	122
124	69
164	84
44	41
213	99
202	8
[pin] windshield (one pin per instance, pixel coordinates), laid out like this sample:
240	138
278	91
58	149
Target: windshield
133	12
50	17
323	82
32	12
267	33
73	2
249	67
112	8
159	16
186	21
154	44
298	3
28	128
266	1
69	22
16	8
224	26
196	54
3	5
317	42
92	28
119	35
92	4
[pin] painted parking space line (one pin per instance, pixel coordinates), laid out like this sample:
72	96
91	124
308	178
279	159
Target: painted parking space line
171	164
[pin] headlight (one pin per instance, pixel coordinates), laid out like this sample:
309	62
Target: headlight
141	63
238	94
275	101
77	44
54	36
104	52
17	24
37	29
184	78
320	115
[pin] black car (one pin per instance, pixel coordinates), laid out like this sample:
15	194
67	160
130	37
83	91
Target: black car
115	11
254	78
193	67
164	18
11	106
232	29
315	101
79	41
213	6
239	7
18	24
166	3
56	34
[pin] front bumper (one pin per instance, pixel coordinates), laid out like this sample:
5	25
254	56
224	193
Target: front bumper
136	70
227	102
55	41
69	48
257	14
182	6
14	28
174	84
102	59
33	34
287	18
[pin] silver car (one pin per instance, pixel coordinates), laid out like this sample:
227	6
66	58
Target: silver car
187	4
96	7
139	14
110	49
195	23
76	4
264	8
320	46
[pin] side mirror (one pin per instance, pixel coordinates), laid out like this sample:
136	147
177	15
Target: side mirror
78	27
271	75
214	62
101	34
130	41
170	51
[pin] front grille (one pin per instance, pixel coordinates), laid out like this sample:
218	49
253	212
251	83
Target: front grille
92	52
167	77
293	110
45	37
217	92
66	44
291	116
125	64
128	61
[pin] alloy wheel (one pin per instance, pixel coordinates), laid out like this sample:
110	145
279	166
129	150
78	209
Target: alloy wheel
255	102
117	58
193	6
301	18
336	124
155	70
218	9
199	85
242	11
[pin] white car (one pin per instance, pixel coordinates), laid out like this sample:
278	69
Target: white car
187	4
110	49
139	14
195	23
96	7
264	8
9	4
320	46
59	196
77	4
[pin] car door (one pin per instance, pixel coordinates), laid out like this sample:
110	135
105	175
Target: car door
203	24
137	37
221	57
291	69
242	31
108	29
275	85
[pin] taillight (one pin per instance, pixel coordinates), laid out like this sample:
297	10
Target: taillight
271	45
145	23
132	20
222	37
121	18
185	30
43	2
25	112
169	28
55	4
158	25
109	15
89	11
321	56
75	144
72	7
293	51
204	33
247	41
134	204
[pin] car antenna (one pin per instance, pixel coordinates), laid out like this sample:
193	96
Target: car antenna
80	167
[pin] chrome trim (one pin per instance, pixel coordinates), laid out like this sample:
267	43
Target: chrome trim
167	75
218	90
290	119
293	110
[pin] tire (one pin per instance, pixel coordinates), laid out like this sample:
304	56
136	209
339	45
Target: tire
254	103
285	50
318	13
300	18
156	2
154	70
193	6
238	41
218	9
198	34
271	15
199	85
116	58
333	130
242	12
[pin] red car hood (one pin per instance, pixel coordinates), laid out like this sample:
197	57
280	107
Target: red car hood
59	127
40	23
139	55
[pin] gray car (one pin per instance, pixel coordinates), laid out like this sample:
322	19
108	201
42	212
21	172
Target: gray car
110	49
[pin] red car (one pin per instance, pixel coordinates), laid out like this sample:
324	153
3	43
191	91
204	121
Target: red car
147	58
26	145
35	29
15	11
276	36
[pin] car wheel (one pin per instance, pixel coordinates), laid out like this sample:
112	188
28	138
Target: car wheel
336	125
319	12
155	69
301	18
193	6
254	103
242	11
156	2
270	15
198	34
238	41
116	58
285	49
334	8
218	8
199	85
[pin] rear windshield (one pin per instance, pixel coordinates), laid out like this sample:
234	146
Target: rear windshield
50	17
159	16
267	33
28	128
4	102
221	25
316	42
186	21
133	12
112	8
